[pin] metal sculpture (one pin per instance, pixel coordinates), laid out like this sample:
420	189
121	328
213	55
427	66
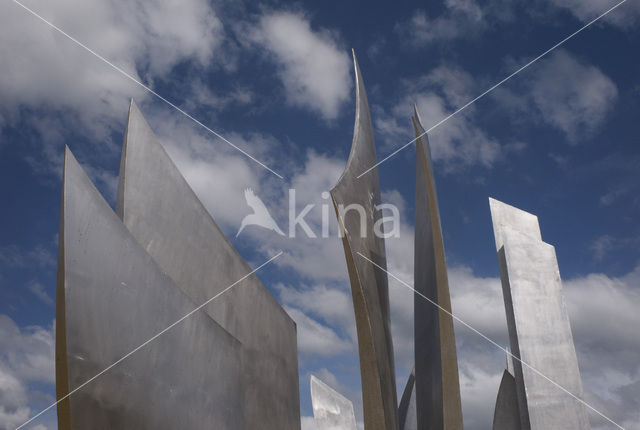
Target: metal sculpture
538	323
506	415
437	384
331	410
407	413
166	217
111	298
369	284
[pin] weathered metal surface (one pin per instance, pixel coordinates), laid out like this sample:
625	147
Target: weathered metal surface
163	213
506	415
369	284
407	414
331	410
111	298
538	323
436	365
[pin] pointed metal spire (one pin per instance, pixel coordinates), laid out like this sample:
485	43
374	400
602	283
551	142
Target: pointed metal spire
111	298
438	401
166	217
369	284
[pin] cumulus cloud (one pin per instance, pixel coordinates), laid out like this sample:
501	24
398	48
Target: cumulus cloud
59	89
458	142
572	95
146	39
566	93
26	355
316	338
459	19
312	66
332	304
13	401
585	10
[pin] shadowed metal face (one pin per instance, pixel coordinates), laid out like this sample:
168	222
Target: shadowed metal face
407	410
506	415
369	285
437	385
112	297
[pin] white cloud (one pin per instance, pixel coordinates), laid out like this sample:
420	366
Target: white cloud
13	401
313	68
47	69
317	339
459	19
53	85
457	142
572	95
332	304
308	423
625	17
564	92
28	352
38	290
26	355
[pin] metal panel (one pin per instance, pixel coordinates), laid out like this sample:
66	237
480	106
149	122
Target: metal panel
369	284
436	365
163	213
111	298
407	410
503	215
538	323
331	410
506	415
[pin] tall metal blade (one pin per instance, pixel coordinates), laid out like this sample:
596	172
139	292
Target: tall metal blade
438	401
369	284
166	217
538	323
111	298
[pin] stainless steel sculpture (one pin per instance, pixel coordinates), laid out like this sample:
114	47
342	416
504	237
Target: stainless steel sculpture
437	386
407	413
165	216
369	284
331	410
538	323
111	298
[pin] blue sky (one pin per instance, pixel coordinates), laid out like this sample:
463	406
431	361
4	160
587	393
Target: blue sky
559	140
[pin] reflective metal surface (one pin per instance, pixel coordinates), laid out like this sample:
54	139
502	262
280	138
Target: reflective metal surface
165	216
111	298
369	285
331	410
538	323
438	402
